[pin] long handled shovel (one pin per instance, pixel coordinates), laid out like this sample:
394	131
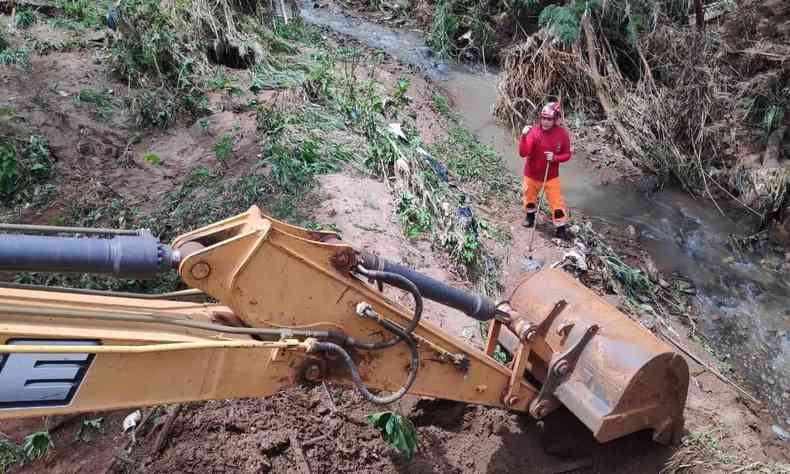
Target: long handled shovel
540	204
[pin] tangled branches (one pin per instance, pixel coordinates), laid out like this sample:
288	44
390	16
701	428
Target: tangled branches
674	95
536	71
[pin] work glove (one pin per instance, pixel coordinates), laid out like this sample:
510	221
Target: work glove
525	130
549	156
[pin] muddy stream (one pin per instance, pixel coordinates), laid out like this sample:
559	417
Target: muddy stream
743	302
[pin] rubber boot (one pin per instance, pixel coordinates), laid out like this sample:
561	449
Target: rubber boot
562	233
529	221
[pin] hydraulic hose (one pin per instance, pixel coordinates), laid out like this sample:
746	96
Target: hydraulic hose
473	305
160	318
405	284
360	385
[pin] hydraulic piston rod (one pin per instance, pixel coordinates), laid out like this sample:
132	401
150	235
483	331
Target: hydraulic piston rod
473	305
127	256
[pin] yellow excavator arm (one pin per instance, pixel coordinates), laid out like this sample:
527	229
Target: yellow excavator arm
297	306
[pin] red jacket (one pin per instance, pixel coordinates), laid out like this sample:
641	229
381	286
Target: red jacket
534	144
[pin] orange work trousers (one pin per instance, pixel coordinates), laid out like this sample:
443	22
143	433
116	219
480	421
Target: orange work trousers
553	191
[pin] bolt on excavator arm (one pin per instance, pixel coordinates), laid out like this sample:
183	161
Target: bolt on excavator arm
294	306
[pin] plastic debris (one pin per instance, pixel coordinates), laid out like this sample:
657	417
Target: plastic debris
529	265
578	259
781	433
131	421
439	168
395	129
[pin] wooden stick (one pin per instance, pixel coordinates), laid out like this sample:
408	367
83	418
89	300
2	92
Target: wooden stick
746	468
710	369
161	441
733	197
313	441
300	453
329	396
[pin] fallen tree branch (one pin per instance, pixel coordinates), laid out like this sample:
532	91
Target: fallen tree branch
300	454
747	468
313	441
333	407
164	435
600	90
733	197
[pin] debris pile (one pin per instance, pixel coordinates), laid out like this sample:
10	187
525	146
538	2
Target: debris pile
703	107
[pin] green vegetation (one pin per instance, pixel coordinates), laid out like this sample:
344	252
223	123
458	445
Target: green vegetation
101	102
89	429
396	430
299	32
444	26
158	65
10	56
563	21
25	18
34	446
42	47
37	445
340	120
10	454
25	169
223	81
152	158
767	112
223	147
472	162
83	13
722	365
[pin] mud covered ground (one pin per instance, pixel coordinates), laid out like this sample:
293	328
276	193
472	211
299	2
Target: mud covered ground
317	429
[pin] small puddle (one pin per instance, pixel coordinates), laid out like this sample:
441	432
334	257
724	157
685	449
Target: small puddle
744	308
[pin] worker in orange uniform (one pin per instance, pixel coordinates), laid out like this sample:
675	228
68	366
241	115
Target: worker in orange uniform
544	147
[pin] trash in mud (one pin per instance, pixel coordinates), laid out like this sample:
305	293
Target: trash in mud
530	265
395	129
438	167
781	433
130	422
576	258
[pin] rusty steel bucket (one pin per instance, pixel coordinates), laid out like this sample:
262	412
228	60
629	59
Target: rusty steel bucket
624	379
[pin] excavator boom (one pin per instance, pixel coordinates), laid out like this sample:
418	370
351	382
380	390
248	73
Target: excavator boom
298	306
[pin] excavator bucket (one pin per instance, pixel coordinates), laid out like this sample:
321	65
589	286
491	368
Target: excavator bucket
624	379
